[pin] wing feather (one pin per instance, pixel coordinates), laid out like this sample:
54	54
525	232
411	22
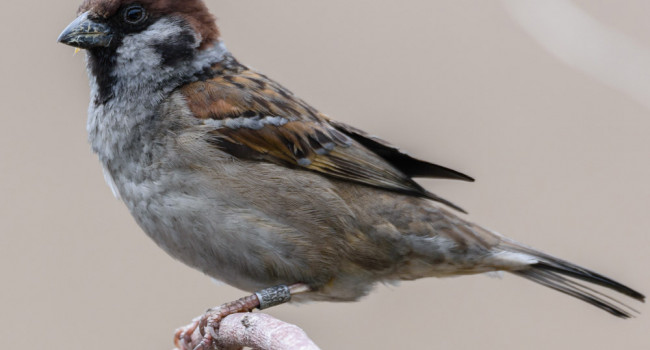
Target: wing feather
254	118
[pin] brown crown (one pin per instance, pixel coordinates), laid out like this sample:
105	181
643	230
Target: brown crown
194	11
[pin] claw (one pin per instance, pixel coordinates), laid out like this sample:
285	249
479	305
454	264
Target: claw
206	343
208	323
183	335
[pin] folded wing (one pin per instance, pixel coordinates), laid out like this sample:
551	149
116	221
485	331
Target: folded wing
254	118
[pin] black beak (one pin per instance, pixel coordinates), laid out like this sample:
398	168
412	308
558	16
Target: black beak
85	33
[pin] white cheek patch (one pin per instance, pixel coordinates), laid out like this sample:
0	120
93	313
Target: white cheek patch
137	57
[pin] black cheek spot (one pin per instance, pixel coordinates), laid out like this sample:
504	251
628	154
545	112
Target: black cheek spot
176	50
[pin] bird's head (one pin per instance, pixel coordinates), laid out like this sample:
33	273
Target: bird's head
142	44
106	23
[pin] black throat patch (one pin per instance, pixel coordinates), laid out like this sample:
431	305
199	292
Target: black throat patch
101	62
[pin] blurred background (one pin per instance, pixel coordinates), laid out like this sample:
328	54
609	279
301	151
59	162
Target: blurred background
546	103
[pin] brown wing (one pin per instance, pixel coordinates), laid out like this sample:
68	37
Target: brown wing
257	119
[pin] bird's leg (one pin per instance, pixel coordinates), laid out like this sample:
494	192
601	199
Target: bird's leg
208	323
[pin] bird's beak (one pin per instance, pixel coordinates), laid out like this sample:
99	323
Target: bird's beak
85	33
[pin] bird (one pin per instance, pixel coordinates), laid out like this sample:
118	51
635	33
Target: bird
232	174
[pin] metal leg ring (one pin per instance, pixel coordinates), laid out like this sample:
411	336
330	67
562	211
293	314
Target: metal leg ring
273	296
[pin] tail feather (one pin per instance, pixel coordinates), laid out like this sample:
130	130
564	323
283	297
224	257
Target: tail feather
559	275
555	281
588	276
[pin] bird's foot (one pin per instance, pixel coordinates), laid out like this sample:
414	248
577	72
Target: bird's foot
203	329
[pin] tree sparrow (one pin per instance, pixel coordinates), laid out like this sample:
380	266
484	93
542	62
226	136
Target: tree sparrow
231	173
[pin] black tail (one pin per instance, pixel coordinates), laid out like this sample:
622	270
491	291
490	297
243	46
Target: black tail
551	272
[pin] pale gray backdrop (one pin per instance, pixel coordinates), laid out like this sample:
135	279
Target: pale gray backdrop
544	102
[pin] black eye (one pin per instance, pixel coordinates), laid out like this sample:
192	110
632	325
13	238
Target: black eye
134	14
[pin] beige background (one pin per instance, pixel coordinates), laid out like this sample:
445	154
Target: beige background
559	145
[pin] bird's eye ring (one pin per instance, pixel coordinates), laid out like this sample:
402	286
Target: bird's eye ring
134	14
